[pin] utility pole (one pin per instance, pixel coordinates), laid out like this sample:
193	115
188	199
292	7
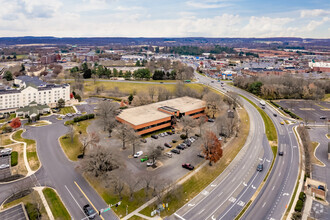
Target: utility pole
126	209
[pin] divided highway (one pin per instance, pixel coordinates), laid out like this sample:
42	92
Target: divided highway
233	189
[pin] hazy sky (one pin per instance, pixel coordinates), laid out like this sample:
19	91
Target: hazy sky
165	18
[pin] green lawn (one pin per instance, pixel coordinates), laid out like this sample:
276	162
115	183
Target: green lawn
73	148
13	115
207	174
56	206
14	158
31	150
326	97
270	127
67	110
129	87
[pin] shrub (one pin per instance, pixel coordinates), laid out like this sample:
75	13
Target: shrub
32	211
14	158
123	107
83	117
299	206
183	136
302	196
7	129
70	122
197	135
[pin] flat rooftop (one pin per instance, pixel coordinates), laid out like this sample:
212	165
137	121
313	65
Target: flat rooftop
148	113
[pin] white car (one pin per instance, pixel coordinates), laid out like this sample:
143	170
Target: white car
6	151
168	154
137	154
220	139
78	113
3	166
161	134
150	163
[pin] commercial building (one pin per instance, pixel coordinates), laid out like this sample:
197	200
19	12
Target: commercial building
160	115
32	89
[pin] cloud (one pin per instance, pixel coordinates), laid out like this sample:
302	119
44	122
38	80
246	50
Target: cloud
314	13
312	25
206	5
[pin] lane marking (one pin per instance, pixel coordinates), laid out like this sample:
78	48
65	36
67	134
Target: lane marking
243	167
97	211
260	159
268	161
241	203
264	205
232	199
273	188
213	185
279	174
244	184
201	211
179	216
75	200
191	204
253	187
220	194
213	217
233	179
205	193
286	194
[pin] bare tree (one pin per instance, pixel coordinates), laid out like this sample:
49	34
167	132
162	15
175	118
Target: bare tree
89	139
107	113
133	183
200	122
124	132
99	89
152	92
135	141
187	123
118	186
71	132
154	154
100	162
213	103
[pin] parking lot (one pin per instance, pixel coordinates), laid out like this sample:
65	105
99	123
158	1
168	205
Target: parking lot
308	110
5	173
14	213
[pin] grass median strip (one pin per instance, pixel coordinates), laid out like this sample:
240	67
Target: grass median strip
31	150
56	206
67	110
270	127
207	174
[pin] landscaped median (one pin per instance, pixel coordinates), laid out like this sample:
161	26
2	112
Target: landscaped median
31	150
66	110
207	174
55	204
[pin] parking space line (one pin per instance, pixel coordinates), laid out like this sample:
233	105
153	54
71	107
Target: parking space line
96	210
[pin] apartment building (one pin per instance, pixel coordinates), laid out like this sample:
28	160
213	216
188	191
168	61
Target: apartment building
31	90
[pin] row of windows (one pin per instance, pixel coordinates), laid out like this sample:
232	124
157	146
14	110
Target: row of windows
196	113
154	125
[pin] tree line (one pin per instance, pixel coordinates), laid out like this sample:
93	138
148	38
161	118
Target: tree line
284	87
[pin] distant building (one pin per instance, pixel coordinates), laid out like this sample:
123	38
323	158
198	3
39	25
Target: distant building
32	89
320	66
160	115
32	110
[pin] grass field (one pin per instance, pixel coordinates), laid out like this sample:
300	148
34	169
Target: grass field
327	97
270	127
207	174
67	110
129	87
14	158
56	206
31	150
73	148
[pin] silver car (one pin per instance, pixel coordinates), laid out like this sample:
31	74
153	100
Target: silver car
4	166
6	151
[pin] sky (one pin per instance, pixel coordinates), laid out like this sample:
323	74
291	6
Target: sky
165	18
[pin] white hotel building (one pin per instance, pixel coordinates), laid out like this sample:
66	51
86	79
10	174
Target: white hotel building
32	89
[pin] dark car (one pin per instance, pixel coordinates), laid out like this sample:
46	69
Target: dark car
323	117
260	167
210	120
143	140
154	136
167	145
188	166
169	133
321	187
175	151
180	147
187	142
201	155
275	115
89	211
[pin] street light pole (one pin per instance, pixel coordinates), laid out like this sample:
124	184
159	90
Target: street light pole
126	209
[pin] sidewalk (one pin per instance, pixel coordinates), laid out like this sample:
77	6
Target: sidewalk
44	202
308	207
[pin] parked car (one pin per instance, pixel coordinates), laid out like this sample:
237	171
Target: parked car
168	154
168	145
260	167
3	166
201	155
78	113
184	145
176	151
137	154
154	136
161	135
263	107
187	142
145	158
160	147
165	133
188	166
210	120
69	115
282	122
6	151
323	117
321	187
143	140
150	163
275	115
169	133
89	211
180	147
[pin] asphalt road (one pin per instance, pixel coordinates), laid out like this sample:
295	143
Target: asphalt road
227	195
276	193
